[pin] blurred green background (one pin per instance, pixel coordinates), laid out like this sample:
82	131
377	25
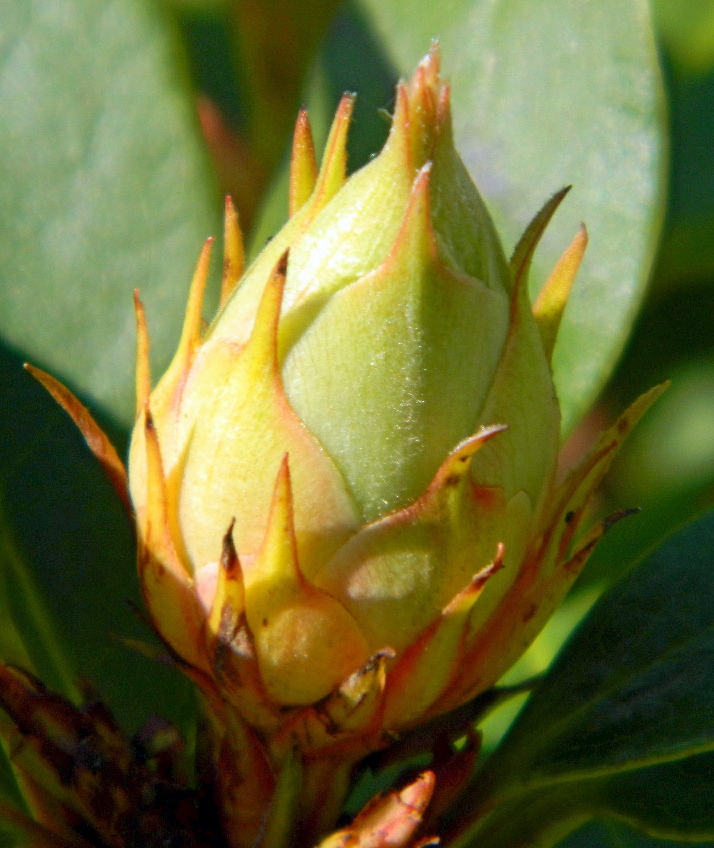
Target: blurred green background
126	121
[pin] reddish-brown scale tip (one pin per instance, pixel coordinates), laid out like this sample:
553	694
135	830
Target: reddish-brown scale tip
282	266
148	418
229	556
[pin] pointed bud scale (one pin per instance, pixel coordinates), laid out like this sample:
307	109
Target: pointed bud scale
523	254
94	436
166	397
228	602
234	252
521	393
548	308
239	312
353	705
333	170
143	369
341	722
306	642
191	334
167	587
548	570
431	661
397	574
303	164
423	93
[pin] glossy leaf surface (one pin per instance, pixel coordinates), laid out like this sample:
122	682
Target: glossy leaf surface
103	187
623	724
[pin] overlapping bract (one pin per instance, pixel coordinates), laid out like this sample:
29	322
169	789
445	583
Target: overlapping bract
347	479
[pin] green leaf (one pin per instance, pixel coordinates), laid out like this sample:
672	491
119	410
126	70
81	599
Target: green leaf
547	94
613	834
623	724
635	686
673	800
538	821
103	187
670	801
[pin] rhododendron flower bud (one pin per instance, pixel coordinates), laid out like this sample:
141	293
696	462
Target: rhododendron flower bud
345	488
368	432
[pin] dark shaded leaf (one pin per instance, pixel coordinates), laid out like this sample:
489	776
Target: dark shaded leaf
673	800
75	545
635	685
623	724
616	835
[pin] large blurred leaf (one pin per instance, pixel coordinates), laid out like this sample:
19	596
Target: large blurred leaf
670	801
547	94
624	722
103	187
687	29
